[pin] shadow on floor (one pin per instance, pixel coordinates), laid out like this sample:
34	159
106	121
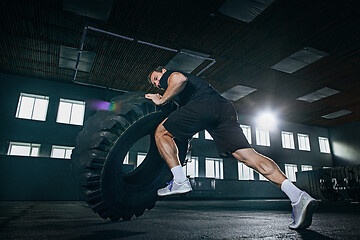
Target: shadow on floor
108	235
307	234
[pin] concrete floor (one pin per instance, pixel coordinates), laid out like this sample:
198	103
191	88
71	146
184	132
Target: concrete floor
233	219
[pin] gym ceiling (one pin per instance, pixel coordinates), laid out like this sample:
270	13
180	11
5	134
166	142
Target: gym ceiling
41	39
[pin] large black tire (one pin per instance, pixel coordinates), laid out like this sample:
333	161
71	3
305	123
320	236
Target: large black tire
101	147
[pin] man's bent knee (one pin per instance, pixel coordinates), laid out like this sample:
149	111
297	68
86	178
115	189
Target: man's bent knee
161	131
245	155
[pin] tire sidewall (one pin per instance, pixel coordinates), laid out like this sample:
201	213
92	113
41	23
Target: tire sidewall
122	194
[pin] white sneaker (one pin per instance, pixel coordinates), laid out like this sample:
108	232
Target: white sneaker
175	188
302	211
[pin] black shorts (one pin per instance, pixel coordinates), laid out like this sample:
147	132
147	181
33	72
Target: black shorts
219	118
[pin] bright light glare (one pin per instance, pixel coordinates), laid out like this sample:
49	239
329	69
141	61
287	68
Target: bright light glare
266	121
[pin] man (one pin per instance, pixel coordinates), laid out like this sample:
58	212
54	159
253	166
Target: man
202	107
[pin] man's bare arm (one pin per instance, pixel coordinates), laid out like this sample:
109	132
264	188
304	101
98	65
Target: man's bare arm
176	84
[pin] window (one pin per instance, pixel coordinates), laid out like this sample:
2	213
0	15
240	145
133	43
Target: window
32	107
287	140
24	149
306	168
262	137
126	159
304	143
196	135
140	158
208	136
71	112
244	172
192	167
324	145
262	178
290	171
247	132
61	152
214	168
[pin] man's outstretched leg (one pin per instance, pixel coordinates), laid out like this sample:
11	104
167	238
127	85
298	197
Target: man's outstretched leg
169	152
302	203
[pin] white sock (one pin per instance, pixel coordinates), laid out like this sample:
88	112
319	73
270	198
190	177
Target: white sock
291	190
179	175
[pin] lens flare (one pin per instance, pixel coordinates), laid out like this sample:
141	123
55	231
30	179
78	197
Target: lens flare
267	120
104	106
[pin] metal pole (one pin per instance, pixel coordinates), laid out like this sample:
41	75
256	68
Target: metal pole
133	39
197	56
80	51
147	43
158	46
98	86
110	33
89	84
207	67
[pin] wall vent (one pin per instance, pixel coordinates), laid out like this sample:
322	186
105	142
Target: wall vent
98	9
68	57
244	10
184	62
337	114
237	92
299	60
319	94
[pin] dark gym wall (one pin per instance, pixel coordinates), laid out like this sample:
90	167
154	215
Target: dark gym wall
36	178
47	132
345	144
45	178
41	178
